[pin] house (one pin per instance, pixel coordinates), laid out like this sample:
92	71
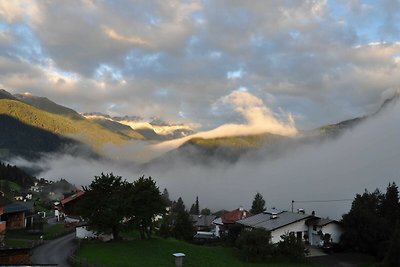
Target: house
69	204
15	256
280	222
203	222
18	214
36	188
321	226
2	228
229	219
82	232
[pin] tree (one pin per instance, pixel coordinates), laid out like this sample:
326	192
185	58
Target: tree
182	225
205	211
392	257
363	228
255	245
195	208
258	205
292	248
104	204
165	196
390	207
145	202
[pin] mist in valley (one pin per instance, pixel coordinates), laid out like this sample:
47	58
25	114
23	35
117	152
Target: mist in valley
364	157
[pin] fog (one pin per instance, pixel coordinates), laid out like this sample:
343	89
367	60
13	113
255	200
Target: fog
365	157
258	119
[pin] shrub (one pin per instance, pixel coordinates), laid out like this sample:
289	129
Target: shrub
291	248
255	245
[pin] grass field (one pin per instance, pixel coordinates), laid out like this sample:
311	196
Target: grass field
158	252
22	238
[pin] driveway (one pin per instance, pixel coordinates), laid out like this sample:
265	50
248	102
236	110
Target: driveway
55	251
342	260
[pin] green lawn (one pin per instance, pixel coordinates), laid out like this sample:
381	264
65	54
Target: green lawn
158	252
22	238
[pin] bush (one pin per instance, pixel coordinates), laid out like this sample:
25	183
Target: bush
291	248
255	245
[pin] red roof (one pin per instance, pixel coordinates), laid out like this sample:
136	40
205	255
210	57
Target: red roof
72	197
235	215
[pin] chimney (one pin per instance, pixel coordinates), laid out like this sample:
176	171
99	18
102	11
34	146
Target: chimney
274	215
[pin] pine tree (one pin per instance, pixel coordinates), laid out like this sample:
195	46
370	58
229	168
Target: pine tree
182	225
258	205
390	207
197	207
165	196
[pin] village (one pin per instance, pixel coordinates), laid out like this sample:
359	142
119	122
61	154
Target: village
26	226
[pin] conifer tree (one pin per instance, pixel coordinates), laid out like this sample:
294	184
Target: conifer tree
258	205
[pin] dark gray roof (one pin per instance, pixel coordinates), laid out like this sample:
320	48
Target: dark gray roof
18	207
203	220
325	221
265	220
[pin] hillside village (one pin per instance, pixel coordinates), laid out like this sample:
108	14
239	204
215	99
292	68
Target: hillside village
33	211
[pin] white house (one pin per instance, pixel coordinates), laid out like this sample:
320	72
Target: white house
306	227
82	232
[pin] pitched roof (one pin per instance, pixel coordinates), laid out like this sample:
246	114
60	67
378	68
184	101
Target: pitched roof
203	220
270	222
18	207
235	215
325	221
72	197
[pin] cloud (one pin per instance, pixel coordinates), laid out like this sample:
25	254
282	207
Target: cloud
314	58
129	39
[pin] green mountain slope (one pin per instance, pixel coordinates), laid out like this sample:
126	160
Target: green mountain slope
6	95
45	104
19	139
237	142
119	128
84	130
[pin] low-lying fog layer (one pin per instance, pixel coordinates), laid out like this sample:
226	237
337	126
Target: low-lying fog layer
366	157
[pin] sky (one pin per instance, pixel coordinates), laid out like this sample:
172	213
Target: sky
319	61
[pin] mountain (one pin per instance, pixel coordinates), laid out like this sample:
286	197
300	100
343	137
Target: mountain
20	139
153	130
33	125
116	127
266	146
45	104
6	95
222	150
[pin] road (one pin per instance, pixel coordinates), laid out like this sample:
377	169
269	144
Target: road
55	251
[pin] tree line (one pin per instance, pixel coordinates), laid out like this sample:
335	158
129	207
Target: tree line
373	225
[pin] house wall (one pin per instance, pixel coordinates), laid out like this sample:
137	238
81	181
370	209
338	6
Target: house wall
15	220
299	226
82	232
15	256
334	230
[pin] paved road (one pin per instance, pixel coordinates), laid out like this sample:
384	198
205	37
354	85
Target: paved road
55	251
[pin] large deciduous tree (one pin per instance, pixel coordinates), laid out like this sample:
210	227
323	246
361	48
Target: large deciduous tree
104	204
145	202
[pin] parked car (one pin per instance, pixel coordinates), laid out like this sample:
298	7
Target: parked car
202	238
